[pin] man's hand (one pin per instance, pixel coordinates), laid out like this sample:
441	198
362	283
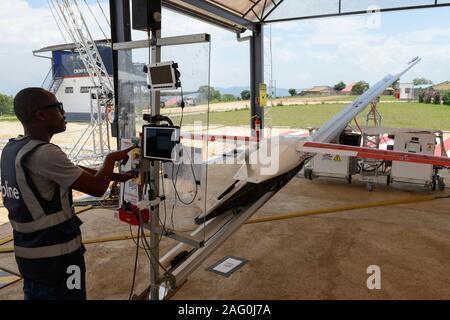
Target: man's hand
95	184
121	155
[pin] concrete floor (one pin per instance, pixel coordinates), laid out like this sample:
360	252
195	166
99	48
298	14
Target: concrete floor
315	257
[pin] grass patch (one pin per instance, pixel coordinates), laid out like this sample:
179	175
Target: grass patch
401	115
8	118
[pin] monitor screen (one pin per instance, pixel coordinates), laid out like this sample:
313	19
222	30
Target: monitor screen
159	142
161	74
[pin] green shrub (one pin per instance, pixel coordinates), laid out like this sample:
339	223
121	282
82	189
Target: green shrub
360	87
437	98
6	104
428	97
421	97
446	98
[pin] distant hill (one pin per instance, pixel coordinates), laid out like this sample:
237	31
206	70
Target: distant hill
236	91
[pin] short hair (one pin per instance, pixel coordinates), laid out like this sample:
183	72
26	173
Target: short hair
27	101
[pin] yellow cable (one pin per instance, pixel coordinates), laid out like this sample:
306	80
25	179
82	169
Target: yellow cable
384	203
6	240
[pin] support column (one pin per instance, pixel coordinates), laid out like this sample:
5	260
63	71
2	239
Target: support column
256	74
120	32
154	176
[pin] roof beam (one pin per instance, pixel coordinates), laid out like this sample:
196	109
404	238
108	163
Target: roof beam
275	5
230	21
428	6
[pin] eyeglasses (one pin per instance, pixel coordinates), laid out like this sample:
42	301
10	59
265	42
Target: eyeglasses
58	105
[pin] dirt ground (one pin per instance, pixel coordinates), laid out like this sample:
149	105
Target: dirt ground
315	257
243	104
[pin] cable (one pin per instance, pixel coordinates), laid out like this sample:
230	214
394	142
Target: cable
59	14
57	24
135	263
98	24
164	195
182	105
104	15
151	253
174	182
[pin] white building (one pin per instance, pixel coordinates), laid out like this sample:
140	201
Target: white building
69	80
407	91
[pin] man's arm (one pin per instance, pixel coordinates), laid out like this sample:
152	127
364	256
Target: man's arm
95	184
91	171
119	177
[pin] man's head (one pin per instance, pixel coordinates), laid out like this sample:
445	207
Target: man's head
39	108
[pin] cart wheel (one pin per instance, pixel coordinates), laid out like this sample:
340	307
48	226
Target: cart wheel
308	174
369	186
433	185
441	185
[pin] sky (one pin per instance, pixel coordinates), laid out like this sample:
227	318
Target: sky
304	53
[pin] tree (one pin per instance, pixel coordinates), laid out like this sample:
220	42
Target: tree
446	98
6	104
292	92
228	97
421	97
360	87
213	93
245	95
419	81
428	97
339	86
437	98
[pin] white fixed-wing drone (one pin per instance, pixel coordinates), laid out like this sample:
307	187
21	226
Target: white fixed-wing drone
252	181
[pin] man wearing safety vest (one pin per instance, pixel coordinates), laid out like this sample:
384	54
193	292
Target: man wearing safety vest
37	180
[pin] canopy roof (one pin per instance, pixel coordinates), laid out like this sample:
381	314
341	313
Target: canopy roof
239	15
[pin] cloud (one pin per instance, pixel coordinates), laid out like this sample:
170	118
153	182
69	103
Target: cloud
24	29
305	53
345	48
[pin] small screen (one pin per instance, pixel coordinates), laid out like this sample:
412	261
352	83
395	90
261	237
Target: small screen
161	75
159	143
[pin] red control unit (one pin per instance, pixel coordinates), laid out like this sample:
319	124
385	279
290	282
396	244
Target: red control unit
132	216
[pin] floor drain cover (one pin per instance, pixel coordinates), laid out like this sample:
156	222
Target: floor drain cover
227	266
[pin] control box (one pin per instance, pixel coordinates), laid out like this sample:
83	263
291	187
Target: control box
419	143
129	191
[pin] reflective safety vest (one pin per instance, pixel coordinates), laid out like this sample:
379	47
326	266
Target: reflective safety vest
46	233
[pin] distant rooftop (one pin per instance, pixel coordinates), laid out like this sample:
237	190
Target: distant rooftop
348	88
443	86
319	89
68	46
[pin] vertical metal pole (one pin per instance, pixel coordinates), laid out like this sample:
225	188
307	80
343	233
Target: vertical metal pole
100	121
154	176
120	32
256	74
94	144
